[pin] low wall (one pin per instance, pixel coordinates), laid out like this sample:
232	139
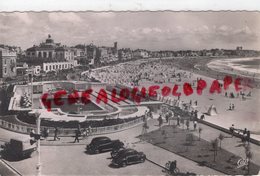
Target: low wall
68	132
252	140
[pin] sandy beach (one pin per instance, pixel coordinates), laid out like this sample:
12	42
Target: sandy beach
246	113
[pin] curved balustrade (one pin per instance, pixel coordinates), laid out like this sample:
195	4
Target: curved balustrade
71	131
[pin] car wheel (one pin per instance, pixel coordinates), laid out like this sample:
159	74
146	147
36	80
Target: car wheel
143	159
124	164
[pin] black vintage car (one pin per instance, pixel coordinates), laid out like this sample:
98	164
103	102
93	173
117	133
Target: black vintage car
103	144
18	149
127	157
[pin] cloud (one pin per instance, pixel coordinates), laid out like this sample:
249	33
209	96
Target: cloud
25	18
65	17
118	29
104	14
151	30
8	19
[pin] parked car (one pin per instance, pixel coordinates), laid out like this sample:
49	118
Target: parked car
127	157
18	149
103	144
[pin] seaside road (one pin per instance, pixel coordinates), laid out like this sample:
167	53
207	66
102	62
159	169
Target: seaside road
72	160
73	156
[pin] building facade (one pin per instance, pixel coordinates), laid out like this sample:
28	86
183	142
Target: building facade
55	66
125	54
7	63
91	54
140	53
50	51
107	54
64	53
44	50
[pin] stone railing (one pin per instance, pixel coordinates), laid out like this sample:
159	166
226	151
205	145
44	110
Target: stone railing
71	131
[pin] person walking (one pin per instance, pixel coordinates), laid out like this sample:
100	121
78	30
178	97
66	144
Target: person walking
244	135
167	117
77	134
248	136
232	130
192	113
230	107
89	131
150	114
84	133
233	107
178	120
56	131
195	125
45	133
196	115
160	120
188	124
145	127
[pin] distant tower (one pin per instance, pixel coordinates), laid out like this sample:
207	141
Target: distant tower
49	40
239	48
115	46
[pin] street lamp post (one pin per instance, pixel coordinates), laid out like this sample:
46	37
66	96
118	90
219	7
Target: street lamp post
79	107
38	131
30	81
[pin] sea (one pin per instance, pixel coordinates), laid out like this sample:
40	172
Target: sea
248	67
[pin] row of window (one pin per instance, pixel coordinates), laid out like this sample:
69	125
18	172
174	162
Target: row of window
44	54
5	70
5	61
55	67
11	62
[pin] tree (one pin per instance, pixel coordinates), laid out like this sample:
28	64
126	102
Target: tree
249	156
220	137
174	128
214	144
200	130
190	138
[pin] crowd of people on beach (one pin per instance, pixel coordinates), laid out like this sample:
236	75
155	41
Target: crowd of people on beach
136	74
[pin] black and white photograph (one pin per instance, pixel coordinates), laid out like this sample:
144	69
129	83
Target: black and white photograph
130	93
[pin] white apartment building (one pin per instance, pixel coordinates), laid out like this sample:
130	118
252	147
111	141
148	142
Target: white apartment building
54	66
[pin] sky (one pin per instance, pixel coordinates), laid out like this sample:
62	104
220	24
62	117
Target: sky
147	30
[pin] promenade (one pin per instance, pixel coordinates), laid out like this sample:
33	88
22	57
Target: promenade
56	151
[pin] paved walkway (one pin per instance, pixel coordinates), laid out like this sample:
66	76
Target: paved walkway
7	170
233	145
154	153
128	137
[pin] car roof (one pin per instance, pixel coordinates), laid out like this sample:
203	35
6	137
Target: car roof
20	140
126	151
100	138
